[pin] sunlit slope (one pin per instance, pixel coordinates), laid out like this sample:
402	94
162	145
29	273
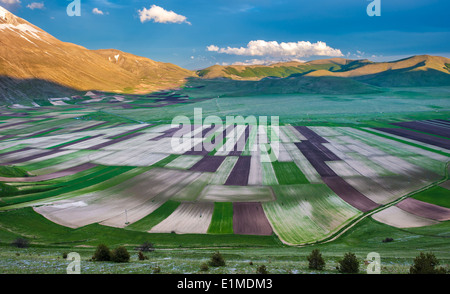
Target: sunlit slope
32	58
421	70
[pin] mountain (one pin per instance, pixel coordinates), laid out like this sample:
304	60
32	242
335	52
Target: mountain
35	64
422	70
279	70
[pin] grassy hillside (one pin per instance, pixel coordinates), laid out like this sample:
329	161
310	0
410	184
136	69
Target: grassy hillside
291	85
423	70
279	70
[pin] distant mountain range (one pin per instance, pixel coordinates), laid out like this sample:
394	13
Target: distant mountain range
35	64
423	70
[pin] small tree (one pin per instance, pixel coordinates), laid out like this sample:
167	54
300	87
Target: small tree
316	261
262	270
102	253
120	254
146	247
426	263
20	243
217	260
349	264
204	267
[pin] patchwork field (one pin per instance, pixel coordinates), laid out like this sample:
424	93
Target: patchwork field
300	183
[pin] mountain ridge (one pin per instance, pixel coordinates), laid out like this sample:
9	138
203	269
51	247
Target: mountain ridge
29	53
362	70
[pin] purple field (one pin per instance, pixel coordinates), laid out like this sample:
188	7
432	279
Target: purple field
428	139
435	128
239	174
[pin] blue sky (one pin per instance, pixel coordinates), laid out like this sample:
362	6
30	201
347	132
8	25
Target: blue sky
405	28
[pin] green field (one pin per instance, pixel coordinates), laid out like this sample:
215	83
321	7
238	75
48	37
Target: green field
147	223
288	173
307	213
222	219
435	195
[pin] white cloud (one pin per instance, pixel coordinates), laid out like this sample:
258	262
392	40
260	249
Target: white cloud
97	11
36	5
266	61
280	50
254	62
160	15
10	2
213	48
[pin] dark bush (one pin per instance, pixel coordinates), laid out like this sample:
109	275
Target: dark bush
262	270
204	267
64	255
426	263
387	240
20	243
141	256
349	264
146	247
316	261
120	254
102	253
217	260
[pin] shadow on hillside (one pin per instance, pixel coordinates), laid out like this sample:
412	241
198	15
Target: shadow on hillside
18	91
407	77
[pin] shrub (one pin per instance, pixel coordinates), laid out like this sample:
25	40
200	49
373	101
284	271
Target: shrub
146	247
64	255
349	264
426	263
102	253
120	254
217	260
262	270
387	240
20	243
316	261
141	256
204	267
156	270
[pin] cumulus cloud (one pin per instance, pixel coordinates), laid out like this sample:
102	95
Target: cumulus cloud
213	48
254	62
160	15
10	2
36	5
280	50
97	11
